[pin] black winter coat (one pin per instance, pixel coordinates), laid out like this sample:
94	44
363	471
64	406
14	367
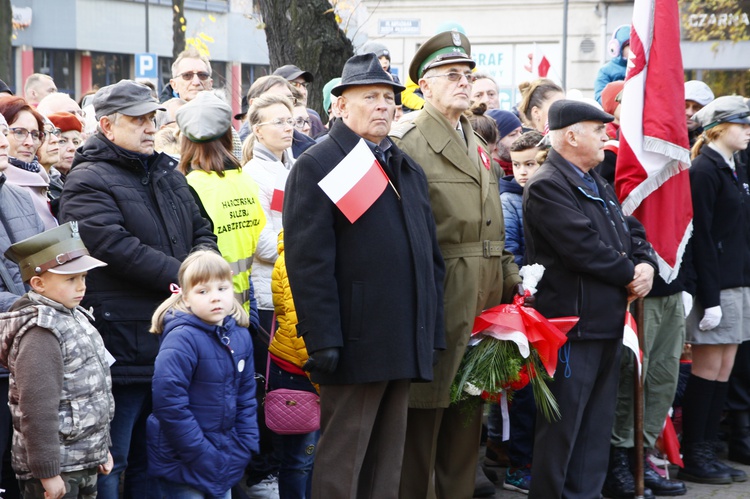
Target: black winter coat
721	226
373	288
586	246
136	214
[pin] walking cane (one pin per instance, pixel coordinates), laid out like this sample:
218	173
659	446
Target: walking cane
638	407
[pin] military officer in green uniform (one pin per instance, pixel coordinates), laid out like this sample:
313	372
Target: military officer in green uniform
480	273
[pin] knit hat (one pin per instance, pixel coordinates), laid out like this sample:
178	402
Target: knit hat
697	91
66	122
205	118
609	96
506	121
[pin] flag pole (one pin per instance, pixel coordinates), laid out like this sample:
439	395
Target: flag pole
638	408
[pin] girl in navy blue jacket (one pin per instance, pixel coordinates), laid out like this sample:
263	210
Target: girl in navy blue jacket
203	429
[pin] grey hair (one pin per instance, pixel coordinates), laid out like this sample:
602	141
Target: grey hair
557	137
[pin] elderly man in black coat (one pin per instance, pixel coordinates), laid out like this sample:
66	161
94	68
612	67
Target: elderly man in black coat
367	290
594	264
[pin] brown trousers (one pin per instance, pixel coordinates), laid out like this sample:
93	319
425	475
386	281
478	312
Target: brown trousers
440	457
361	446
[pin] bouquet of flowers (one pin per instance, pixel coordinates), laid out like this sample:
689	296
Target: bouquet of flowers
511	346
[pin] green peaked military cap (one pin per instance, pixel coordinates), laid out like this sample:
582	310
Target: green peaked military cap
59	250
448	47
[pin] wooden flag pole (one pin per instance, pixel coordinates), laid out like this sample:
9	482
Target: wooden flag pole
638	408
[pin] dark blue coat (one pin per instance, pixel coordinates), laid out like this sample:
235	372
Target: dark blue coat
373	288
586	246
721	226
203	429
511	198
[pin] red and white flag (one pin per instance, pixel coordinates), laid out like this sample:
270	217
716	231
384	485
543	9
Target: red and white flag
651	177
277	198
630	340
538	65
356	182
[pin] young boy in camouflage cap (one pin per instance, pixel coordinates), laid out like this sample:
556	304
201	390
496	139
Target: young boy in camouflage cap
60	393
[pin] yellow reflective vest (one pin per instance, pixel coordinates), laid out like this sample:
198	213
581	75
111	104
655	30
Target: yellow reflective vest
232	204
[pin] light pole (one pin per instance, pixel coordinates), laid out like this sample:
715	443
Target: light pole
564	44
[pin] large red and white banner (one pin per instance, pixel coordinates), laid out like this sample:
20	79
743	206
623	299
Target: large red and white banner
651	177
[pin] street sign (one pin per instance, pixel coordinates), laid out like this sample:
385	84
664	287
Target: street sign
146	66
399	27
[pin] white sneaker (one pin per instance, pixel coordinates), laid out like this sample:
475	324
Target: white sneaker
268	488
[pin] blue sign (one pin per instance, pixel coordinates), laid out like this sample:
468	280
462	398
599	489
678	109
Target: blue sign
146	66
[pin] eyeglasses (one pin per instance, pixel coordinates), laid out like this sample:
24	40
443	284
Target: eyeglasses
456	77
50	130
279	123
20	134
299	84
189	75
301	123
64	141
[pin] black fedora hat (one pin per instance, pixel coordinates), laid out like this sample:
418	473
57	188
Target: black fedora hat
364	69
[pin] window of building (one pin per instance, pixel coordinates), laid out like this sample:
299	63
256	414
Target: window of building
207	5
250	73
107	68
59	65
165	72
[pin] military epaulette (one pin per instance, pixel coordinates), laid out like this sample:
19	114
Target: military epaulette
402	129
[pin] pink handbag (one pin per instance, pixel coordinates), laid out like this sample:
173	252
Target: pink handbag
290	412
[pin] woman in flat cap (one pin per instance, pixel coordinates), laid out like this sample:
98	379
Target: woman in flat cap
720	319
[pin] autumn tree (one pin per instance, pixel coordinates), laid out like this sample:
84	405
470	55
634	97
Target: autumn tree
306	33
6	37
178	27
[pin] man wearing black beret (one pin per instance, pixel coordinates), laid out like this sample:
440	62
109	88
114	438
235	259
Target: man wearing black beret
596	261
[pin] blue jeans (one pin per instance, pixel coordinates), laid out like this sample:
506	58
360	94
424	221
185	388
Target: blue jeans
295	453
174	490
128	432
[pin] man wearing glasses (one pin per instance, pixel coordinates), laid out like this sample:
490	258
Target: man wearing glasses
480	273
300	80
191	73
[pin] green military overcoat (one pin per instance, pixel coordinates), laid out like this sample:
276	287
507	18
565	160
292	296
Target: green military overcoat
465	200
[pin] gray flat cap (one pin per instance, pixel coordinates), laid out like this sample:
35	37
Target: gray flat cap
204	118
126	97
727	109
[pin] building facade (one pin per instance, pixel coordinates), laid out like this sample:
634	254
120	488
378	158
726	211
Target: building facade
87	44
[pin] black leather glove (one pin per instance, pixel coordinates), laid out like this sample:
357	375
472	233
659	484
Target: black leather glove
435	357
528	301
323	361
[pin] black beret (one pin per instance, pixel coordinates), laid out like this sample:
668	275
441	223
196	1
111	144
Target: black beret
564	113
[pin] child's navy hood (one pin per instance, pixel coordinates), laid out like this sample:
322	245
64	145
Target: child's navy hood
508	184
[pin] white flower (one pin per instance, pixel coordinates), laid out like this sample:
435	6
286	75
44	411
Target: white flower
472	390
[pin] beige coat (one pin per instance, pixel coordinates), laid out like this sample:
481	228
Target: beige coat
471	232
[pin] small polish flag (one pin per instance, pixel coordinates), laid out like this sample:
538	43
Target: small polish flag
356	182
630	339
277	199
538	64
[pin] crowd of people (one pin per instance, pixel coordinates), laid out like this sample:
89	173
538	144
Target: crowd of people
344	260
